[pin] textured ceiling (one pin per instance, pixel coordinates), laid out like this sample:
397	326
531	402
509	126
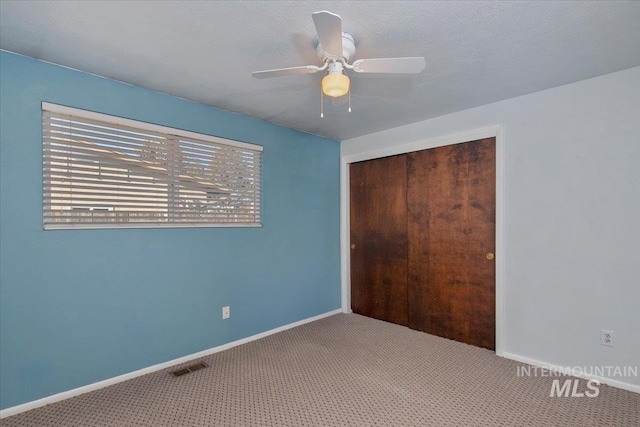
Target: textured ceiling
476	52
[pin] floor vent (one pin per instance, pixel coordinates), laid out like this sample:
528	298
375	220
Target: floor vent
188	369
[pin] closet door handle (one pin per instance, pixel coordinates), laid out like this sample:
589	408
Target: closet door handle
353	246
490	256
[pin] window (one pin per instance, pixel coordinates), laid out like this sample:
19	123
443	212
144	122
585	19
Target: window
102	171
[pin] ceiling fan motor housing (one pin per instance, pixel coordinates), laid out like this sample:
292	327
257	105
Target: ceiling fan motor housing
348	49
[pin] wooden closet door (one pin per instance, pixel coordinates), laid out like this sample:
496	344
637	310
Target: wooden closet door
451	242
378	213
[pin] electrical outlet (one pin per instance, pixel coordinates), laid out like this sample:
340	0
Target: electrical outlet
226	312
606	337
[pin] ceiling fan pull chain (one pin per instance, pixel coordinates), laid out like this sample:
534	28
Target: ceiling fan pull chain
321	103
349	101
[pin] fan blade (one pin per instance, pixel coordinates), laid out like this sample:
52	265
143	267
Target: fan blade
390	65
305	69
329	28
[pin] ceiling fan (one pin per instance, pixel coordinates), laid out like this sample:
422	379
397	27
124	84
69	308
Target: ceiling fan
335	48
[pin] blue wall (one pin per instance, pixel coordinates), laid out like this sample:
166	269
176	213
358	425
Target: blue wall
80	306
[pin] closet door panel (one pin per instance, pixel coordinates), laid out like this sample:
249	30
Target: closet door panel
451	229
379	238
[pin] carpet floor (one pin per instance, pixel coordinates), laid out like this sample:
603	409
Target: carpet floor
344	370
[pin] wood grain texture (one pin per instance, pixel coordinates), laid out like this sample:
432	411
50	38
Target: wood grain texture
451	227
379	232
418	186
422	224
482	219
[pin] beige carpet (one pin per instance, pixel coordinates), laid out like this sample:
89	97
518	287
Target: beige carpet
345	370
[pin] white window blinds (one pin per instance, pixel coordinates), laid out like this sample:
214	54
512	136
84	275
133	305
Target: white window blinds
102	171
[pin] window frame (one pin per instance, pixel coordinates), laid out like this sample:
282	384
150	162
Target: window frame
174	132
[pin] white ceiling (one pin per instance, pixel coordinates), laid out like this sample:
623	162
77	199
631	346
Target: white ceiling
476	52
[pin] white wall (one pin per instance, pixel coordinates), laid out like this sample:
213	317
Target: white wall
572	216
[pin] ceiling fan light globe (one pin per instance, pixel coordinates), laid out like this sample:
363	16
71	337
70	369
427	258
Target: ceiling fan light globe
335	85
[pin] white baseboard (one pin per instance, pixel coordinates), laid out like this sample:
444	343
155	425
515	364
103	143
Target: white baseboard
576	373
14	410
